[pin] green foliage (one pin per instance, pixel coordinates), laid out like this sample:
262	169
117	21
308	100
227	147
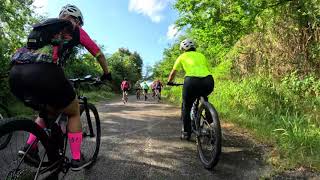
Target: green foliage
15	17
124	63
267	109
307	86
265	57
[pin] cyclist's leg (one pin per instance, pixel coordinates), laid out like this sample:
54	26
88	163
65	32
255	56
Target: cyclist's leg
189	97
74	128
205	88
145	91
31	81
32	138
159	93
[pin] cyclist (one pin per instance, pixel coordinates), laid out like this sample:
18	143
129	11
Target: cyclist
145	88
153	89
198	80
138	88
158	86
125	86
31	71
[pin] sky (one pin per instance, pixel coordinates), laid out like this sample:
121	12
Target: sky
145	26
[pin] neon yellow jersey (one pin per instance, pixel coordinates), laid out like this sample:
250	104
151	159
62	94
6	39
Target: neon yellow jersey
195	64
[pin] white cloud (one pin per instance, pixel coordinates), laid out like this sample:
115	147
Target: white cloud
173	32
150	8
41	6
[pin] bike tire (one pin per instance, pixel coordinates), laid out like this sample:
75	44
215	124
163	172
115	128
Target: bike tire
4	140
21	127
96	129
215	136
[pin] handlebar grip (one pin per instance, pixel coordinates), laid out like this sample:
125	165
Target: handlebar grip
175	84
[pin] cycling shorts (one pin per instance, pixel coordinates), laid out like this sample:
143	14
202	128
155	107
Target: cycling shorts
44	83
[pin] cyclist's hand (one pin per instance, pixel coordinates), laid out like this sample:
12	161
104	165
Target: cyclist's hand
106	77
170	83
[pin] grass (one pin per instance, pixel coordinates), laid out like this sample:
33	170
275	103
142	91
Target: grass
274	115
100	95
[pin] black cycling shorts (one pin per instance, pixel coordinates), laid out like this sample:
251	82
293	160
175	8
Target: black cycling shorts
44	83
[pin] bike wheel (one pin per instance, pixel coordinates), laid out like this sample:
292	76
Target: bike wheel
13	166
126	98
91	131
159	97
209	137
4	140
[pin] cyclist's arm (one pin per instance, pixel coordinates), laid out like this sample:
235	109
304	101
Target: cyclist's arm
172	75
93	48
177	66
103	63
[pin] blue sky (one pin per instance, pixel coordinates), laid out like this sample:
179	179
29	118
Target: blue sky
145	26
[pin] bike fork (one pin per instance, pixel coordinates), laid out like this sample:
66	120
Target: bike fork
85	103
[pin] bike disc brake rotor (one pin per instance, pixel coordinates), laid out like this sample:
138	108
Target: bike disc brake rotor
207	138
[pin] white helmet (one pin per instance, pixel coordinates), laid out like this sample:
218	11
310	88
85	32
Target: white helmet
72	10
187	44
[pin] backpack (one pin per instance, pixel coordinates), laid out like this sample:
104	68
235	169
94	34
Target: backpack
50	31
158	85
53	32
145	86
125	84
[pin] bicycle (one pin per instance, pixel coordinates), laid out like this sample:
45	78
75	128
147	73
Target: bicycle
138	94
145	94
125	97
205	125
52	141
157	94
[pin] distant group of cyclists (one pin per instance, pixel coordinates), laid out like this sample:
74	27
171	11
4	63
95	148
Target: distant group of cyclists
43	57
141	87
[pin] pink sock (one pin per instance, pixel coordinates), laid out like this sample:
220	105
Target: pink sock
32	137
75	140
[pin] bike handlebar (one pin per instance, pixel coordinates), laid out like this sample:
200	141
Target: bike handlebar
91	80
175	84
87	78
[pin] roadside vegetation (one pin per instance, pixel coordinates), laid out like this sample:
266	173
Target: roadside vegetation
265	58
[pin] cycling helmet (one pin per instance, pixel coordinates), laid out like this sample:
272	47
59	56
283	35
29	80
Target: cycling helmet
72	10
187	44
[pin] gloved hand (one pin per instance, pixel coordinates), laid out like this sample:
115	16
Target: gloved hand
170	83
106	77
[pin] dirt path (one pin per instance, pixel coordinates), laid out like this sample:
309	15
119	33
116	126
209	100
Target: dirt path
140	140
